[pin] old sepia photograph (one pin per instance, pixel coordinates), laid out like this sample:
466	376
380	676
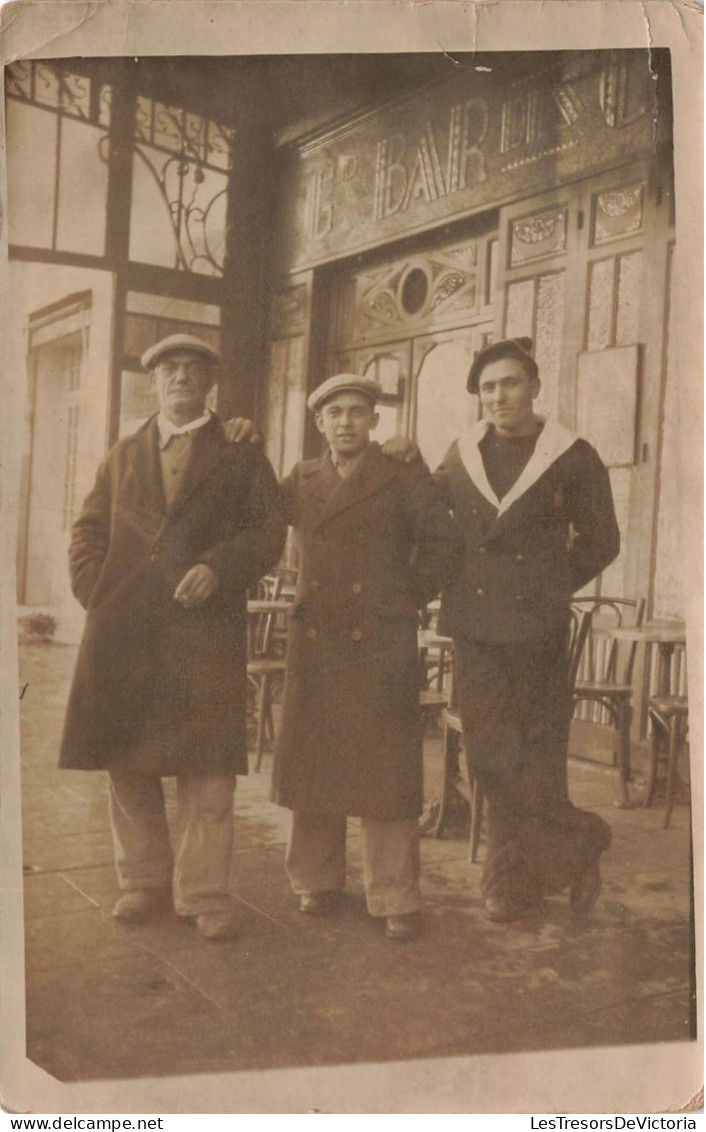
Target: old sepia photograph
353	627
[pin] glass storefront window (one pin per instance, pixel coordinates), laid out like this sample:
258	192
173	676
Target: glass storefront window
57	174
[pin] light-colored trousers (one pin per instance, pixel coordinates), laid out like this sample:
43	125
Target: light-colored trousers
198	872
316	860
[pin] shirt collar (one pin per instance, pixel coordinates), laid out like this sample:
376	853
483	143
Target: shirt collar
167	430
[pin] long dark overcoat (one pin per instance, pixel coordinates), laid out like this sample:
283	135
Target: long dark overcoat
374	548
154	680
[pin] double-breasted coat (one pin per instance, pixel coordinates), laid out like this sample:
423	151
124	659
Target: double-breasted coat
374	548
154	680
527	554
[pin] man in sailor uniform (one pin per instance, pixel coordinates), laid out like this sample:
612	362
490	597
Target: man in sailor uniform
534	504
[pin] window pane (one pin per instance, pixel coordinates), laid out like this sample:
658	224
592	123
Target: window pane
179	310
549	336
143	330
600	305
444	408
83	186
629	283
519	318
31	174
388	424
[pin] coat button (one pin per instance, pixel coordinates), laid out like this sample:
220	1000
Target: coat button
519	558
154	558
518	597
311	634
357	588
481	550
357	634
474	510
480	591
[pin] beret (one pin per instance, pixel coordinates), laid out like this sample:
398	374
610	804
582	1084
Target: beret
344	382
151	357
518	348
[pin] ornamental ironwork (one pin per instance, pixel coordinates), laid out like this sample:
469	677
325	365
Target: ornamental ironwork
188	158
57	88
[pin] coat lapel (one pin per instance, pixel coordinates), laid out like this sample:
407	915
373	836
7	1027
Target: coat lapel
206	454
372	473
143	458
553	441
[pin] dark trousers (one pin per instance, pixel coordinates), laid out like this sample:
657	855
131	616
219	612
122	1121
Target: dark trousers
515	707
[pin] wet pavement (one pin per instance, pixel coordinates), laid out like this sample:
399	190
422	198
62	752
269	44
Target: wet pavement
107	1001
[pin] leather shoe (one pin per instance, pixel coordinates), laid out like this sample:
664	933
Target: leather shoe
404	928
502	909
216	925
138	905
584	891
317	903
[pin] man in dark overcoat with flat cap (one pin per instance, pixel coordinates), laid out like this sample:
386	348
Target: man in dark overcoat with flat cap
375	544
176	528
534	504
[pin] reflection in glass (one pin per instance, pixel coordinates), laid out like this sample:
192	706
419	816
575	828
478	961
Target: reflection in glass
444	408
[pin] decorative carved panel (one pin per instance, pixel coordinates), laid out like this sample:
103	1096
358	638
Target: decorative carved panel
409	293
617	213
534	237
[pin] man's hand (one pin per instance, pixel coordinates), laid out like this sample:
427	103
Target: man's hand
401	449
196	586
240	428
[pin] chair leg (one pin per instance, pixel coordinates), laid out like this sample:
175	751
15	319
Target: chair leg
675	736
624	740
261	720
654	762
477	800
450	753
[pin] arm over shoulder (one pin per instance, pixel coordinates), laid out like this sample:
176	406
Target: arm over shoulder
438	542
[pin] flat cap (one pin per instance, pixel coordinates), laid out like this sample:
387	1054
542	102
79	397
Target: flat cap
519	348
151	357
344	383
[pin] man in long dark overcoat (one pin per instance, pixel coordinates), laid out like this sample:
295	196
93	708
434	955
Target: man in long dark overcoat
375	544
176	528
534	504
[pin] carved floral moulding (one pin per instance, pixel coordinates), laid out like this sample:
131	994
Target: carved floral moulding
537	236
618	212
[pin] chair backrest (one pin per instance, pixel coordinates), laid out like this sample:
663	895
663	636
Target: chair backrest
579	628
605	659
